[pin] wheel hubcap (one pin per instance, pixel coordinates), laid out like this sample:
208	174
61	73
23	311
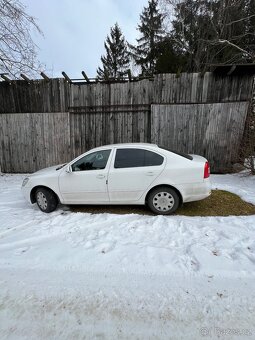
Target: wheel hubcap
41	200
163	201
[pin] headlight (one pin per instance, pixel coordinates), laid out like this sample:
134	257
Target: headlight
25	181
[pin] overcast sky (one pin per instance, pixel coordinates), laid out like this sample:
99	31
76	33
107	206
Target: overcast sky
75	31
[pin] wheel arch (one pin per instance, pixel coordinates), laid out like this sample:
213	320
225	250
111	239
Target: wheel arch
164	185
33	191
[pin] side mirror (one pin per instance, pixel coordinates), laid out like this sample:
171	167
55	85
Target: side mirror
69	169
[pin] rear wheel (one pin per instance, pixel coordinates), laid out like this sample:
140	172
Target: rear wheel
163	201
46	200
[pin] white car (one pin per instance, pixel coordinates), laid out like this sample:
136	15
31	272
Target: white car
122	174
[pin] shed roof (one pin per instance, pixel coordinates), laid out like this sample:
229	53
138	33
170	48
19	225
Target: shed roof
233	69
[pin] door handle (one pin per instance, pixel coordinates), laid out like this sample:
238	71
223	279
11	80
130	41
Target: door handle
100	176
150	173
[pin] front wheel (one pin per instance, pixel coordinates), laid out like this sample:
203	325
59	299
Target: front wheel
46	200
163	201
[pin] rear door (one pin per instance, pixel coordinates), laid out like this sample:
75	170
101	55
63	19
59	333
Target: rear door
132	172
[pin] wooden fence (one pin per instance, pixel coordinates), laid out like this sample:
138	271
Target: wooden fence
46	123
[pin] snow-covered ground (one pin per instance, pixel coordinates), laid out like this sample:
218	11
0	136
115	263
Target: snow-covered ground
71	275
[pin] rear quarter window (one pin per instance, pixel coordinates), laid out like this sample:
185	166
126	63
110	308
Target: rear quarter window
182	154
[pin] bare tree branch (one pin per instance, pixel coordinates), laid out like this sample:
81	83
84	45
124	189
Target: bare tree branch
224	41
18	52
236	21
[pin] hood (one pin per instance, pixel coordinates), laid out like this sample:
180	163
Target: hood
51	169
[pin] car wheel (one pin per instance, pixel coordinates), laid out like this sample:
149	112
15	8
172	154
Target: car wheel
163	200
46	200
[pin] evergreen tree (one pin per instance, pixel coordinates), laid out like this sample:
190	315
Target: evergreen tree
150	28
169	58
192	28
116	60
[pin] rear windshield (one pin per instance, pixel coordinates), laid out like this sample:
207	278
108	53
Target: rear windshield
182	154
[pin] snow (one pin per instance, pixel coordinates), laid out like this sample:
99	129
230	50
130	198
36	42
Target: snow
71	275
240	184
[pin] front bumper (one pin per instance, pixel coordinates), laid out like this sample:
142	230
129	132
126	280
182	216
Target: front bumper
26	190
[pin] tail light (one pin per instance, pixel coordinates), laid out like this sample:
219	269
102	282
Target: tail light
206	170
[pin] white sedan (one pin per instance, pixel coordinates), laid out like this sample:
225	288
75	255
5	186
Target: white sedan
122	174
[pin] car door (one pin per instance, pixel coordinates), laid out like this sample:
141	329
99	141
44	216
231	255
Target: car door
87	182
132	172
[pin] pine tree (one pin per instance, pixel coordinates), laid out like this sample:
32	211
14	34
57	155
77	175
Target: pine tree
116	60
191	29
150	28
170	59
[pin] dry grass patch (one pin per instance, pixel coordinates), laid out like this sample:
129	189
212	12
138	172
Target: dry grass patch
220	203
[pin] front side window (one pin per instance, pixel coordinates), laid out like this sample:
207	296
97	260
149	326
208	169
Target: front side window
94	161
133	158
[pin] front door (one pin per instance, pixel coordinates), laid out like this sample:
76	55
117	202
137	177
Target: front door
87	183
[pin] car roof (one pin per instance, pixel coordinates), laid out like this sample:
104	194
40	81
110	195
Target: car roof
126	145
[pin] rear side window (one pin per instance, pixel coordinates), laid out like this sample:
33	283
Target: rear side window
133	158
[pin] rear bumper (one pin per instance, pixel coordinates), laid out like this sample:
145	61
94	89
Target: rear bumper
196	191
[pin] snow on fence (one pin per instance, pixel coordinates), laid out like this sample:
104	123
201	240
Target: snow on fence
43	123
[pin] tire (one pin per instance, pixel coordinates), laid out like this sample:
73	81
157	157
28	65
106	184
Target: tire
163	201
46	200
